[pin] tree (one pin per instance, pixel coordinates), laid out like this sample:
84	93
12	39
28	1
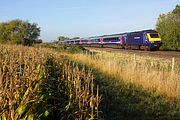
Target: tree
19	32
62	38
168	26
176	10
3	33
38	41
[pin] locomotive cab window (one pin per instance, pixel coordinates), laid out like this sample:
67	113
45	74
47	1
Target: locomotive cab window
154	35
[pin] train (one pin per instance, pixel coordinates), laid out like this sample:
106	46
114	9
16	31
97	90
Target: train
142	40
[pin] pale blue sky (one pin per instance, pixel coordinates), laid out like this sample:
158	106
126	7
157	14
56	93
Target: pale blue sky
85	18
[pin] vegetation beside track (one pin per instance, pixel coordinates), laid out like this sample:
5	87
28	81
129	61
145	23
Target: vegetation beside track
168	26
134	87
155	74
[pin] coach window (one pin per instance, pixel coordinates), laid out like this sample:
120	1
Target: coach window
116	39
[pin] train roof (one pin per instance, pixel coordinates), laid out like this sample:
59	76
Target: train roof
117	35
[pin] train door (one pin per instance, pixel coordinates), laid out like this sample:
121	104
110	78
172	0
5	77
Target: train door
125	39
89	41
80	42
145	38
101	40
121	39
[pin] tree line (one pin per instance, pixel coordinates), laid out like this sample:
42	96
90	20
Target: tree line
168	26
19	32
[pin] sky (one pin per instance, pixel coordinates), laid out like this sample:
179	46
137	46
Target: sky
86	18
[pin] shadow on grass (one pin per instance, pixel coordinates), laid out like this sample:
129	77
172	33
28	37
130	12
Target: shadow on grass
129	102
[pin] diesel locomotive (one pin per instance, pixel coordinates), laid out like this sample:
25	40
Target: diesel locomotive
145	39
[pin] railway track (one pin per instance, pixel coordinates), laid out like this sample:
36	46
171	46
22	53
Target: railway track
159	54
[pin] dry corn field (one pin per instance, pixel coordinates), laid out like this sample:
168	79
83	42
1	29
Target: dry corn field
160	75
39	83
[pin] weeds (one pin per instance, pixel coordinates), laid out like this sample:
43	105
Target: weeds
153	74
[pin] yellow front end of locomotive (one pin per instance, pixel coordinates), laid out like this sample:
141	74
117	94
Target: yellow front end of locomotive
153	37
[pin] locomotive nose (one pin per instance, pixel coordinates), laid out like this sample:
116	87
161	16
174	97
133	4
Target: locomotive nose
153	37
